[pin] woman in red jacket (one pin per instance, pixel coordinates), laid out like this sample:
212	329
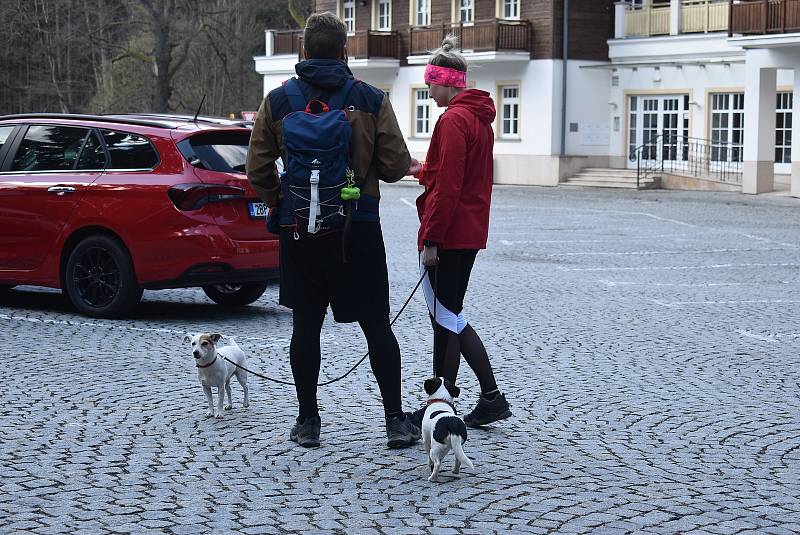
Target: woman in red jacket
454	215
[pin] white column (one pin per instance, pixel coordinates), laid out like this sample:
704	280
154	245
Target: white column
620	14
759	120
674	17
795	133
269	38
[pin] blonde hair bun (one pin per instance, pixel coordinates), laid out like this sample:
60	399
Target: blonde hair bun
447	56
449	43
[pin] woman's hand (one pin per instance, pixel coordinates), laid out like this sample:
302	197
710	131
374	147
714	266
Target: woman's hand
415	169
430	256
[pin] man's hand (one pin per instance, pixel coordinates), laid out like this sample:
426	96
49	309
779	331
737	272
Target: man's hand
415	169
430	256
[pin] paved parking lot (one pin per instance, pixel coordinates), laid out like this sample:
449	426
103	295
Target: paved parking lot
648	343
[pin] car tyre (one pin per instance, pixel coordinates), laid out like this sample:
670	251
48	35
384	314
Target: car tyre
99	278
235	294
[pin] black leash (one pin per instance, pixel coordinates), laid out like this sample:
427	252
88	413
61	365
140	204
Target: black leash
357	364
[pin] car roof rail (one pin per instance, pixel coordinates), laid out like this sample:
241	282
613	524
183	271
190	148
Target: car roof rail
118	119
221	121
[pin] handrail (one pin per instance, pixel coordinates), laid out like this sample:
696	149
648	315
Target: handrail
688	156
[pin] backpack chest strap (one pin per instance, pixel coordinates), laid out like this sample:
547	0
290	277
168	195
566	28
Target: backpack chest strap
313	207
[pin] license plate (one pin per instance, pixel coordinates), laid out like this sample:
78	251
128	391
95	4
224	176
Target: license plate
258	209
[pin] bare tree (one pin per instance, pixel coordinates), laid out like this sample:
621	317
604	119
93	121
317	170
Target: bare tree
105	56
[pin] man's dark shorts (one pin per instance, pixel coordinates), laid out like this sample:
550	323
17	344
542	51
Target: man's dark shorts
314	274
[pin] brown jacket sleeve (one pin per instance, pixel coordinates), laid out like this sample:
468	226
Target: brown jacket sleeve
392	159
264	150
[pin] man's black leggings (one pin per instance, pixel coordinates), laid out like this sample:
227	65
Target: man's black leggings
305	357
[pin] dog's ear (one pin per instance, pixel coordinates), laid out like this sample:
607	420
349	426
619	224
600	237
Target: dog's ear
432	385
187	339
215	337
452	389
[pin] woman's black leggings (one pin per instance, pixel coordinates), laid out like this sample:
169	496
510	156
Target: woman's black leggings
453	271
305	357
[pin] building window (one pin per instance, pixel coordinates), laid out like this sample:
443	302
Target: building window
727	127
510	9
466	11
783	128
422	15
422	113
349	15
509	111
384	22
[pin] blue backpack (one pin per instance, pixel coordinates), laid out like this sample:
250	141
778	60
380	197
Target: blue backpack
318	185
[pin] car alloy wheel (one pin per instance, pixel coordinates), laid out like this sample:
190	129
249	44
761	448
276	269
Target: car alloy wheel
99	278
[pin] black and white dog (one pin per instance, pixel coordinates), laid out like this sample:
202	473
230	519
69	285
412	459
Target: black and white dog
442	430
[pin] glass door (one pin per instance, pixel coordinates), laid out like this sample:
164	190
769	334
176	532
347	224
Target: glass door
659	128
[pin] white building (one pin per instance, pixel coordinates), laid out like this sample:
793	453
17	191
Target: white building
722	73
656	86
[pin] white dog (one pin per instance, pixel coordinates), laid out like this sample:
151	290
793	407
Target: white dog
214	370
442	430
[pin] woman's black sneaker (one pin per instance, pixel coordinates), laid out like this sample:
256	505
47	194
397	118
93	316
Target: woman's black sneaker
401	432
306	432
488	411
417	416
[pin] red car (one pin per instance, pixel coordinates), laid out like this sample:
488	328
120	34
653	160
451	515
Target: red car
106	206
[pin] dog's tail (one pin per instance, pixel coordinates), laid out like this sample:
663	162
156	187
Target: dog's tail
458	451
454	427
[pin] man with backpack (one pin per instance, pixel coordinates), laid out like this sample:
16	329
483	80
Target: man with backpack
337	138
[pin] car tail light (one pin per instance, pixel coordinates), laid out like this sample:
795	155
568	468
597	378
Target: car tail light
193	196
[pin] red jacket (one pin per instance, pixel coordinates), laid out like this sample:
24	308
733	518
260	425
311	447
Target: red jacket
458	175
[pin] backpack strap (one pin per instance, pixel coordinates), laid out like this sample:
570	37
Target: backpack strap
297	100
338	99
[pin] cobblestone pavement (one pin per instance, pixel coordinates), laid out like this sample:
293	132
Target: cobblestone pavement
647	341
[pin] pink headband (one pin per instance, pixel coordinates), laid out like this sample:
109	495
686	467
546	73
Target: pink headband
434	74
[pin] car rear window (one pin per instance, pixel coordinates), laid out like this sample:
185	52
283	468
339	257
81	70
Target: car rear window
129	151
49	148
217	151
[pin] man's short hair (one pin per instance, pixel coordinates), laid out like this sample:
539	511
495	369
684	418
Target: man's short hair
325	36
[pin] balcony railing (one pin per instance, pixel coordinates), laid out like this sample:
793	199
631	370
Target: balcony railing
481	36
362	45
696	16
365	45
647	20
703	16
288	42
761	17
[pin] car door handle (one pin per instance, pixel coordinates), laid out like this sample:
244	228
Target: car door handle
61	190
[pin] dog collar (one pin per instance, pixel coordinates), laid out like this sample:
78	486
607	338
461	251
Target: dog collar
432	401
209	364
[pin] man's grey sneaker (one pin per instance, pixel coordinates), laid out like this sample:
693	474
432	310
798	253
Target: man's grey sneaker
306	432
400	432
486	411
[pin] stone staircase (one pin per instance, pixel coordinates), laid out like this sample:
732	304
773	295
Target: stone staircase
597	177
